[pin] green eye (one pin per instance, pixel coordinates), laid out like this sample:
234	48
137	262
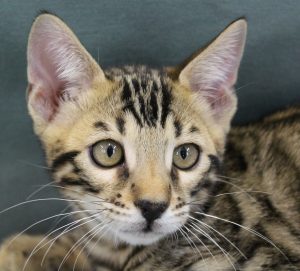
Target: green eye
186	156
107	153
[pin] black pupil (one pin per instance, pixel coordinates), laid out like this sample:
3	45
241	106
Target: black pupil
183	153
110	151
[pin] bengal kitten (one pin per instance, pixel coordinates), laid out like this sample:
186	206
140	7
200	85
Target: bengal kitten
138	153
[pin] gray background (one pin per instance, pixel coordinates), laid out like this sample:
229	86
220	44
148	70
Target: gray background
136	32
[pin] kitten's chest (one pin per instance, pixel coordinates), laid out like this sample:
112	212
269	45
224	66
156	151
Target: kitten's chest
106	256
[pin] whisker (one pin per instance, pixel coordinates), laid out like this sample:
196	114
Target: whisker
68	229
86	240
236	186
223	236
192	242
195	202
59	220
44	199
201	244
74	247
226	254
239	192
222	96
40	188
247	229
73	190
89	253
176	233
173	238
41	221
246	85
34	165
90	239
37	248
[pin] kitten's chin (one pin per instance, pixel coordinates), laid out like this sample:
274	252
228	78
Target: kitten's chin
140	238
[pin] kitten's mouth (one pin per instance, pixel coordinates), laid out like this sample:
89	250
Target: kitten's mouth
143	236
142	232
148	227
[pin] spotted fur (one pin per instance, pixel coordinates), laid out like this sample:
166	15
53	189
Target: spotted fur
233	210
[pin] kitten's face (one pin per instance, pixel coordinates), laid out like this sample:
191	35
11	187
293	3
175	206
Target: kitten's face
137	149
159	155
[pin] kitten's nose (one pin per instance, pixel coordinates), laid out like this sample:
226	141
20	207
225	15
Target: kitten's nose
151	210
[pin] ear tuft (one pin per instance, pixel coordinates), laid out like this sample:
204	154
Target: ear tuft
59	68
213	73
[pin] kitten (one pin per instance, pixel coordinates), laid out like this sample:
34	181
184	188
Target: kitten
138	153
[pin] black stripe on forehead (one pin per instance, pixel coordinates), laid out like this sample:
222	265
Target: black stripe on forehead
120	125
178	127
130	108
126	94
154	108
143	110
166	102
142	101
154	87
194	129
144	83
140	86
129	105
101	125
136	85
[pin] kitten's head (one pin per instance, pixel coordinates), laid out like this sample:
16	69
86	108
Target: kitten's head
136	148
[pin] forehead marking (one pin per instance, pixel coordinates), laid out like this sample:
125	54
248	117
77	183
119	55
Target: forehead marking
154	106
136	85
178	127
194	129
143	110
126	94
146	97
120	122
166	102
129	105
101	125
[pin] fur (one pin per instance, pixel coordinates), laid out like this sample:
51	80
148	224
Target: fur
237	208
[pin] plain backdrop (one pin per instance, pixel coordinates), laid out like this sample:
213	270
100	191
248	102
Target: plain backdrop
157	33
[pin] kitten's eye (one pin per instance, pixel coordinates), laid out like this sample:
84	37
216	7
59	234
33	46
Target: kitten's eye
186	156
107	153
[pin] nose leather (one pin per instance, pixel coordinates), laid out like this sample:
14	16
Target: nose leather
151	210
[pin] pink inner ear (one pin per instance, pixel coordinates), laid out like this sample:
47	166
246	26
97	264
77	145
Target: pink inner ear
59	68
43	71
44	105
215	74
217	92
213	78
219	101
44	64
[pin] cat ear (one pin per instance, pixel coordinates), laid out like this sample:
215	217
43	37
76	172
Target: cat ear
59	68
213	72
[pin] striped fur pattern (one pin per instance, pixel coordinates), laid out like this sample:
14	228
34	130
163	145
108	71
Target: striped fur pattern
233	210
